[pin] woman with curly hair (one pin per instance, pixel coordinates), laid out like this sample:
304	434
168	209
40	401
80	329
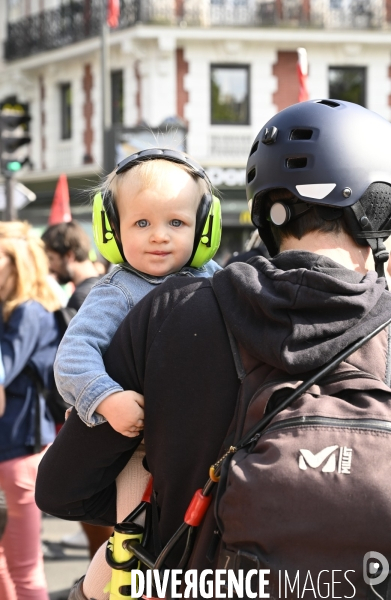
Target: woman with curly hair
29	338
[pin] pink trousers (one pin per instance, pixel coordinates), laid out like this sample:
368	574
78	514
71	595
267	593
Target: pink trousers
21	563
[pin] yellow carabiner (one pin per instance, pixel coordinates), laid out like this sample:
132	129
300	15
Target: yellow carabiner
212	476
120	583
212	470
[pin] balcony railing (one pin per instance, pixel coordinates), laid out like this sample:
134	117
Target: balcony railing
50	29
81	19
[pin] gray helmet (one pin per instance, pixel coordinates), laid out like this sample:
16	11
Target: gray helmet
330	153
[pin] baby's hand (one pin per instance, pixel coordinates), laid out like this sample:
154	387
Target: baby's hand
124	411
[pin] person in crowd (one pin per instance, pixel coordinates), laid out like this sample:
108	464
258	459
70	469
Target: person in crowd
102	265
253	247
2	391
323	226
68	248
28	338
3	506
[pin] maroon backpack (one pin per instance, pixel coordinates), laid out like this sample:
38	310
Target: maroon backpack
304	496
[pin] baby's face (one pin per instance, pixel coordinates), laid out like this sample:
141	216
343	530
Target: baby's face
158	222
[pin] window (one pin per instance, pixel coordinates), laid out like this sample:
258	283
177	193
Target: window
230	95
347	83
117	97
66	110
16	10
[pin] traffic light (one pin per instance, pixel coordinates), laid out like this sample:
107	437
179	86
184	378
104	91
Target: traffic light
14	136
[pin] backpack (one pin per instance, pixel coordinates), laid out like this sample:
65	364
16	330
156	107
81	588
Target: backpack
303	500
63	317
305	492
54	401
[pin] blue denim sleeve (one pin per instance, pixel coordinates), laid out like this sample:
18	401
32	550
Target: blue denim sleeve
206	271
211	267
2	374
79	370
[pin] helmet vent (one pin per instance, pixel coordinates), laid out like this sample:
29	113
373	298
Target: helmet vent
296	163
254	148
301	134
329	103
251	175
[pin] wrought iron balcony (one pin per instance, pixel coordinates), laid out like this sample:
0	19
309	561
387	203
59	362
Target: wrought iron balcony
81	19
50	29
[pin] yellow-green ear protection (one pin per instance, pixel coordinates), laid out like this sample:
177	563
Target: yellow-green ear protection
105	220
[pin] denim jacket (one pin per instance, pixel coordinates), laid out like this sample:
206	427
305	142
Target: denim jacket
29	339
2	374
79	370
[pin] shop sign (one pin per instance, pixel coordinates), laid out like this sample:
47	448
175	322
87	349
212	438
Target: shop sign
245	218
228	177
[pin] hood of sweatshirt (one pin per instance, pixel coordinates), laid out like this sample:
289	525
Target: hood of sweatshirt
299	309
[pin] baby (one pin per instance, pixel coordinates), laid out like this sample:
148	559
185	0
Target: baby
163	222
156	215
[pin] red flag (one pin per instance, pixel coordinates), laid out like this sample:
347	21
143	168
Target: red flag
60	211
113	13
302	72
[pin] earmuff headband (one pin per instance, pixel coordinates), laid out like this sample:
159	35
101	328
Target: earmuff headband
162	153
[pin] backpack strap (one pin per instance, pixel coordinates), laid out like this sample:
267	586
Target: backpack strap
63	317
32	373
240	370
387	378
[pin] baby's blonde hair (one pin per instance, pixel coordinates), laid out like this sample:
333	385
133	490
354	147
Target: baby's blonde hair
148	174
27	253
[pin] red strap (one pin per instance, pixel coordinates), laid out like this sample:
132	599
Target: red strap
148	491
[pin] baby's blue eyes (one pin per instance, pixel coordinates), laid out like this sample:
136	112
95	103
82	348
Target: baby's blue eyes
145	223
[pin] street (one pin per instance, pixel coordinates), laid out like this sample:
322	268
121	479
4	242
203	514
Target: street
66	564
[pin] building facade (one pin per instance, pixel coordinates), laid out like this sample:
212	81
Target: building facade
203	75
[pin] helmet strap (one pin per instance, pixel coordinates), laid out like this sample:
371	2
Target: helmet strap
375	239
380	255
281	213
